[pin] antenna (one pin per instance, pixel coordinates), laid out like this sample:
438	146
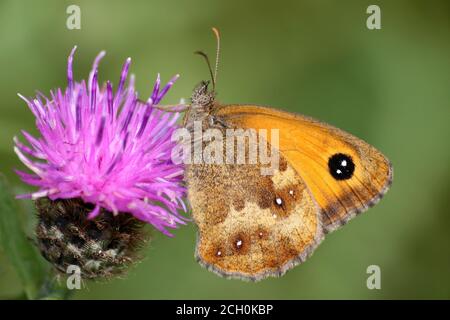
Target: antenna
217	34
205	56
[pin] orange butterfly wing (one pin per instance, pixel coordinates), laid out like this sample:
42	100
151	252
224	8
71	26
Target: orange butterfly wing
307	145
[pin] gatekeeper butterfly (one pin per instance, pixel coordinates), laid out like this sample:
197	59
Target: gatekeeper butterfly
253	225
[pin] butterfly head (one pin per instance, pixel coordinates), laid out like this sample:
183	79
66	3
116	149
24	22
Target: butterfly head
202	96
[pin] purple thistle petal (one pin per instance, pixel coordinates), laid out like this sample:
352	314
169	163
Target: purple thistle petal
97	60
28	150
123	77
94	212
155	92
78	112
109	97
93	90
130	113
69	71
166	88
148	111
31	165
100	132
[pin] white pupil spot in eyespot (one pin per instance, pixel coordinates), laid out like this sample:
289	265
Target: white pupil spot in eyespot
344	163
291	192
260	234
219	253
239	243
338	171
279	201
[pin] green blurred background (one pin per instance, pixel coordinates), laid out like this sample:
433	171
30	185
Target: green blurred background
390	87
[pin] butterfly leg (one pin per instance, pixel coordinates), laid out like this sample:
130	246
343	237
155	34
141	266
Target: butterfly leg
172	107
216	122
186	117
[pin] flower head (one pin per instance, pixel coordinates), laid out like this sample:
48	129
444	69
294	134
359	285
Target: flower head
105	147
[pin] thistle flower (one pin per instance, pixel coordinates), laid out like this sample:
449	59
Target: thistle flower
102	155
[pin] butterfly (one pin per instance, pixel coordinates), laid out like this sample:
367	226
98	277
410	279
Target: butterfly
253	225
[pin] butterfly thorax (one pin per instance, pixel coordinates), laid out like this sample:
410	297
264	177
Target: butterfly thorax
202	96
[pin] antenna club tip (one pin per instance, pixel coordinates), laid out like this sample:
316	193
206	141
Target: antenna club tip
216	31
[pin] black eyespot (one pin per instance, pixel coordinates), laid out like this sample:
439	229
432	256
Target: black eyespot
341	166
